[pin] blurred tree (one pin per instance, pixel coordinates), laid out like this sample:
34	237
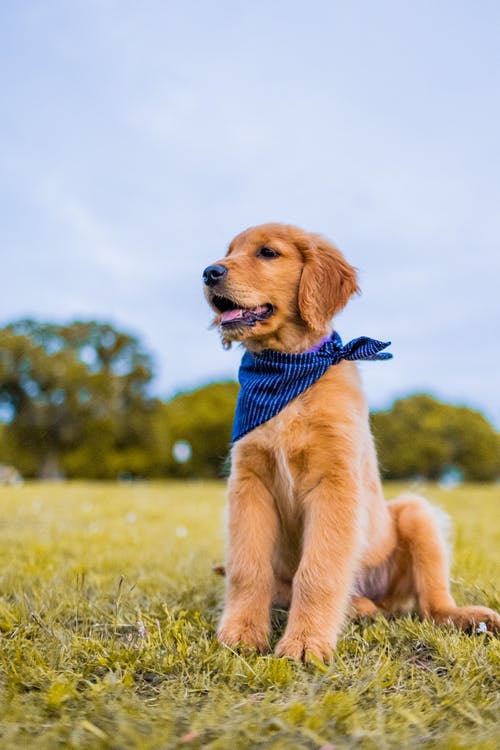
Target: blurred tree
74	399
420	436
202	418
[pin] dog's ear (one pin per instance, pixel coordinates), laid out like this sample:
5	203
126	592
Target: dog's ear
326	284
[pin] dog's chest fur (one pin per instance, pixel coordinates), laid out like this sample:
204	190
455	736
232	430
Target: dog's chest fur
285	445
286	459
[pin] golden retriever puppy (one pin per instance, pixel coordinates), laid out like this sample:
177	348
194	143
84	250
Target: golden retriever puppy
308	523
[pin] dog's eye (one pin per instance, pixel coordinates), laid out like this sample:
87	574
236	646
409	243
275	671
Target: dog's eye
267	252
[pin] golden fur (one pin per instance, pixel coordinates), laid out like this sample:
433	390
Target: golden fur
308	524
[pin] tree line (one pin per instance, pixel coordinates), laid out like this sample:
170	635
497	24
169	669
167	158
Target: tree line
75	401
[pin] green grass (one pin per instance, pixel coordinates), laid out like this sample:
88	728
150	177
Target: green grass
83	564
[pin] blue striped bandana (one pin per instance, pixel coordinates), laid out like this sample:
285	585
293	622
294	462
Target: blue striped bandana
270	380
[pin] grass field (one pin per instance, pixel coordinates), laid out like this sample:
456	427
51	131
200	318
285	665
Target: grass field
107	617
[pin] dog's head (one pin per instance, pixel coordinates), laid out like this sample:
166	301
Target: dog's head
278	287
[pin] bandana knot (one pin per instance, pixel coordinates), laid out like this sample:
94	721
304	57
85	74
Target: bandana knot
270	380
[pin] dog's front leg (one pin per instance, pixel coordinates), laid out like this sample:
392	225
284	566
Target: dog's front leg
323	581
252	533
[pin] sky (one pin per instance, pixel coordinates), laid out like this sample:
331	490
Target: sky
136	139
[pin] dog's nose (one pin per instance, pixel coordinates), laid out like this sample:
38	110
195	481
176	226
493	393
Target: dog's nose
213	274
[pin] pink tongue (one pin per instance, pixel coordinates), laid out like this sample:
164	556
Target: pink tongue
229	315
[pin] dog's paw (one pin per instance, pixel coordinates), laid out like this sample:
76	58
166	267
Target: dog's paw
244	633
470	618
303	647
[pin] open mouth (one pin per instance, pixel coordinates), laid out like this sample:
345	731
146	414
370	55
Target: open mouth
232	314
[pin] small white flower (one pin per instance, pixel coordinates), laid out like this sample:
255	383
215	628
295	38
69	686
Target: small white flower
482	628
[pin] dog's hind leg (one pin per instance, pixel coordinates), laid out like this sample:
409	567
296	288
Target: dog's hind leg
421	537
282	593
282	589
361	606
